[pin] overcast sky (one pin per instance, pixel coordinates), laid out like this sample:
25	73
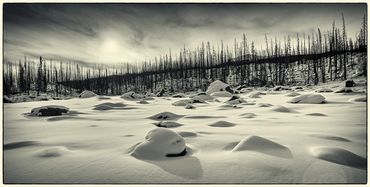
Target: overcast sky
127	32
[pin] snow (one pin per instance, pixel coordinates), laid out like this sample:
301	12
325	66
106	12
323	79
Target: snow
292	94
189	106
158	144
221	94
179	95
320	90
235	100
132	96
358	99
217	86
93	146
168	124
280	108
280	88
309	99
343	90
262	145
86	94
255	94
339	156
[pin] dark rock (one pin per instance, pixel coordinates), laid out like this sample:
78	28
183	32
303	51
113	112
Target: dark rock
50	110
6	99
350	83
183	153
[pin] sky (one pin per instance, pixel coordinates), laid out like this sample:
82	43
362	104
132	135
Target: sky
116	33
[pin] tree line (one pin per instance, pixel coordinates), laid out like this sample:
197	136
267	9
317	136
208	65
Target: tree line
306	58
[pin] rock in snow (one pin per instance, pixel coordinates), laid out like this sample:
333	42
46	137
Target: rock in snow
235	100
87	94
280	88
189	106
308	99
349	83
49	110
168	124
132	96
165	116
179	95
218	86
160	143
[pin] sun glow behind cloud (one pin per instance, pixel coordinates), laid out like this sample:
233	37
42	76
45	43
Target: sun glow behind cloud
115	33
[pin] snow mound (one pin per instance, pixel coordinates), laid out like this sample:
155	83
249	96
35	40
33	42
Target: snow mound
358	99
292	94
143	102
16	145
308	99
344	90
218	86
102	97
132	96
6	99
108	106
102	107
222	124
87	94
255	94
179	95
49	110
160	143
262	145
246	90
264	105
149	94
339	156
168	124
52	152
165	116
316	114
321	90
189	106
185	102
330	137
235	100
186	134
230	106
221	94
248	115
279	108
202	98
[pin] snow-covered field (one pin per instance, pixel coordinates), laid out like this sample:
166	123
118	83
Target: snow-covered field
265	140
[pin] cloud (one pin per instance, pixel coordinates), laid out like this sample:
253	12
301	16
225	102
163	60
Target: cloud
130	32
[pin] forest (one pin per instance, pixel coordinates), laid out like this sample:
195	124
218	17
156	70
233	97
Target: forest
302	59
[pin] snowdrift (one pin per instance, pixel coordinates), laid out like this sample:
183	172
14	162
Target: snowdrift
308	99
160	143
